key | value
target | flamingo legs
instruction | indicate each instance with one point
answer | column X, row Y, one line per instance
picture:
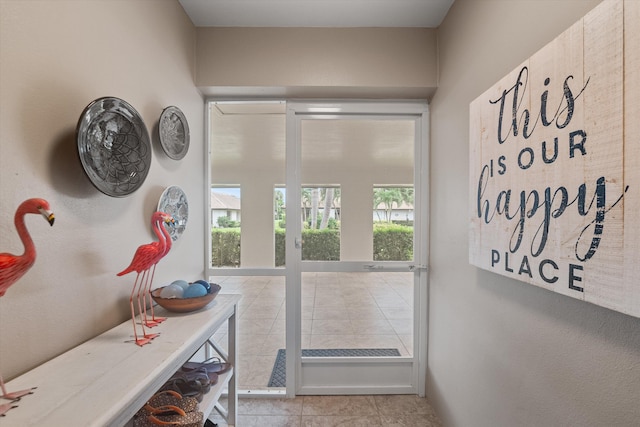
column 142, row 306
column 138, row 284
column 13, row 397
column 147, row 299
column 144, row 295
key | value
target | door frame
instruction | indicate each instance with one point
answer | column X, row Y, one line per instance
column 414, row 368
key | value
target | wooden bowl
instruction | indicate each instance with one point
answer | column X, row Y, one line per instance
column 185, row 305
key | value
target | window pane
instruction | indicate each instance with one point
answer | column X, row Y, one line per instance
column 225, row 226
column 393, row 223
column 321, row 223
column 279, row 226
column 247, row 142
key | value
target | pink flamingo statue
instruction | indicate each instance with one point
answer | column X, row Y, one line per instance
column 13, row 267
column 144, row 258
column 147, row 300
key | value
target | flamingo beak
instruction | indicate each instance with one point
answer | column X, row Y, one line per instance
column 49, row 216
column 170, row 221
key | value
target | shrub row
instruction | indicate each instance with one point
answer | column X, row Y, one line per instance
column 225, row 247
column 318, row 245
column 390, row 243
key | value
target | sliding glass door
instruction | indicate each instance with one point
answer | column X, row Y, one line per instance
column 317, row 214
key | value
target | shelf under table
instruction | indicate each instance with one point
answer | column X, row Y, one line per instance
column 104, row 381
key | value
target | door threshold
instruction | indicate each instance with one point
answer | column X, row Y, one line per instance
column 263, row 394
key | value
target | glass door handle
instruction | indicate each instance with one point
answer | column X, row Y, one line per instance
column 297, row 242
column 411, row 267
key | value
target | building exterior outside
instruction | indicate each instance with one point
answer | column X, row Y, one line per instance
column 224, row 205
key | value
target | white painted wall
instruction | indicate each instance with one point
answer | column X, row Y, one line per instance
column 55, row 58
column 317, row 62
column 502, row 352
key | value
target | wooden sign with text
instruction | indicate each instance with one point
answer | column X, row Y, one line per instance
column 554, row 168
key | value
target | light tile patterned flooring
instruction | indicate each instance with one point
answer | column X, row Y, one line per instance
column 333, row 411
column 339, row 310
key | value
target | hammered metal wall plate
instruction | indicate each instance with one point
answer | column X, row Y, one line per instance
column 114, row 146
column 173, row 201
column 174, row 133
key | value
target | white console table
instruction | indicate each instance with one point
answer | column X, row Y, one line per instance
column 106, row 380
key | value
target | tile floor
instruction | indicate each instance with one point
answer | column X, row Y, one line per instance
column 339, row 310
column 333, row 411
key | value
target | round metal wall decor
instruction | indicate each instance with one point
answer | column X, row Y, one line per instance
column 114, row 146
column 174, row 133
column 174, row 202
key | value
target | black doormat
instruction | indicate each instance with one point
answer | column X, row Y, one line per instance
column 278, row 375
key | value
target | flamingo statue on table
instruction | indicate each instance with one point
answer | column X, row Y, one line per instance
column 13, row 267
column 146, row 292
column 145, row 257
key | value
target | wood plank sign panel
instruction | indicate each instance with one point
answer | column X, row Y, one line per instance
column 554, row 164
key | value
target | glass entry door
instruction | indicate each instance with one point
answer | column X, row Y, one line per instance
column 356, row 248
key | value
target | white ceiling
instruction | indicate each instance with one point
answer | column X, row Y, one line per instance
column 316, row 13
